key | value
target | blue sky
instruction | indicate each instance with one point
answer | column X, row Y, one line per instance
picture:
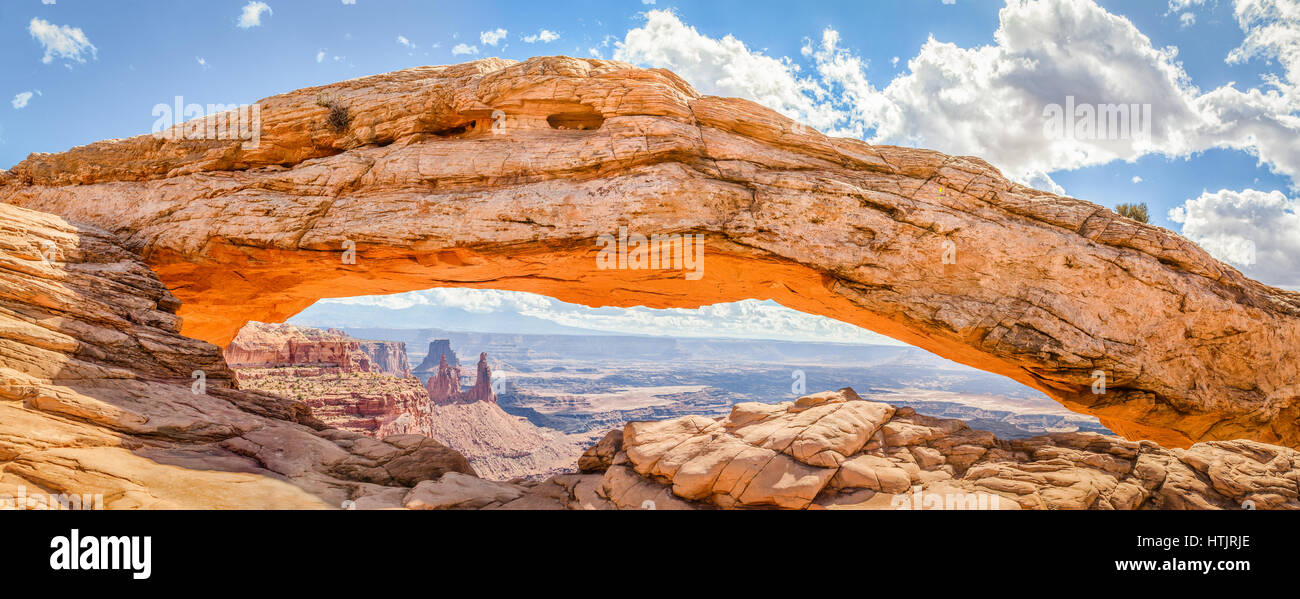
column 960, row 76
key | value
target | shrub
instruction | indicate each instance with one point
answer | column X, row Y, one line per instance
column 1137, row 212
column 338, row 118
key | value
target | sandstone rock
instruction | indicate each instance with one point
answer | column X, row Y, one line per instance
column 600, row 456
column 460, row 491
column 100, row 395
column 1044, row 289
column 439, row 350
column 921, row 462
column 272, row 346
column 444, row 386
column 498, row 445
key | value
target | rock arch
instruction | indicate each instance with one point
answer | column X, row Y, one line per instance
column 941, row 252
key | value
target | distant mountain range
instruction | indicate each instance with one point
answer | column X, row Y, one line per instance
column 350, row 316
column 601, row 346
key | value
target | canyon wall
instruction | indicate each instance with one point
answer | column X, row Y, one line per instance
column 325, row 371
column 388, row 356
column 505, row 175
column 279, row 345
column 101, row 395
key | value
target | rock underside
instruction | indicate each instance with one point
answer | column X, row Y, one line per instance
column 101, row 395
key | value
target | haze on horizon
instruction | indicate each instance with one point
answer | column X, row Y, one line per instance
column 495, row 311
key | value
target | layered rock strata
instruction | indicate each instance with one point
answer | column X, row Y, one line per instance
column 833, row 450
column 101, row 395
column 505, row 175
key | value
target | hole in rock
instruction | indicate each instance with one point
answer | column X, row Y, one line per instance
column 521, row 383
column 457, row 131
column 581, row 121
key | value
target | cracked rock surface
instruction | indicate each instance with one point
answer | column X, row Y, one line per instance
column 101, row 395
column 833, row 450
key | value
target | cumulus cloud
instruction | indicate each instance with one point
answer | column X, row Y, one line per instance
column 490, row 38
column 61, row 41
column 401, row 39
column 349, row 1
column 462, row 48
column 1256, row 231
column 320, row 55
column 251, row 16
column 994, row 100
column 21, row 100
column 727, row 67
column 545, row 36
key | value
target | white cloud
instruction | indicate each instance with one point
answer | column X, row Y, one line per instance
column 251, row 16
column 47, row 1
column 61, row 41
column 320, row 55
column 462, row 48
column 949, row 1
column 490, row 38
column 349, row 1
column 1256, row 231
column 1137, row 179
column 203, row 62
column 1186, row 20
column 648, row 2
column 20, row 100
column 747, row 319
column 1181, row 5
column 401, row 39
column 1272, row 30
column 726, row 67
column 545, row 36
column 989, row 101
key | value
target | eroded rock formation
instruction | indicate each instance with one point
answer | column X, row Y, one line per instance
column 261, row 345
column 439, row 351
column 388, row 356
column 496, row 174
column 833, row 450
column 101, row 395
column 444, row 386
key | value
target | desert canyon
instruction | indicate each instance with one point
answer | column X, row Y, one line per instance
column 130, row 268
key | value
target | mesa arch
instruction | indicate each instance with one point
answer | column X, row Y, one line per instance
column 497, row 174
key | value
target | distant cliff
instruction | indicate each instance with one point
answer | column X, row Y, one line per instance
column 388, row 356
column 278, row 345
column 438, row 349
